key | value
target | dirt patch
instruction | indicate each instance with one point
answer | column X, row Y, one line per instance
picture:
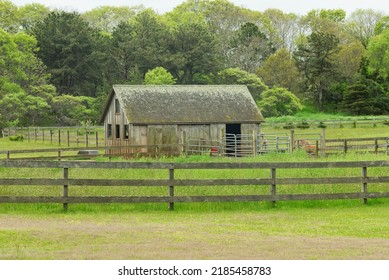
column 134, row 237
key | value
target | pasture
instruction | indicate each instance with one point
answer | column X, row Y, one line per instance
column 334, row 229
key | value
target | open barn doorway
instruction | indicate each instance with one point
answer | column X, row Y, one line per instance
column 233, row 134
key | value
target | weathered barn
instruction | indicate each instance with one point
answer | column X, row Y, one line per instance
column 172, row 115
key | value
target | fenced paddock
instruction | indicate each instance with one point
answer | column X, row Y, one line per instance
column 68, row 182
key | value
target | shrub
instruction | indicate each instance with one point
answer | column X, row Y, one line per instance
column 303, row 125
column 279, row 102
column 18, row 138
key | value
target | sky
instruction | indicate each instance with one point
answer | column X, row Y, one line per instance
column 300, row 7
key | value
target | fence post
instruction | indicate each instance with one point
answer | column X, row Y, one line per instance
column 68, row 138
column 97, row 138
column 65, row 187
column 345, row 146
column 8, row 155
column 59, row 137
column 364, row 184
column 273, row 190
column 86, row 138
column 387, row 145
column 376, row 146
column 317, row 149
column 59, row 155
column 292, row 140
column 51, row 136
column 43, row 135
column 323, row 141
column 171, row 189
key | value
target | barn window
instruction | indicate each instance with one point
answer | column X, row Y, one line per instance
column 109, row 130
column 117, row 106
column 126, row 133
column 117, row 132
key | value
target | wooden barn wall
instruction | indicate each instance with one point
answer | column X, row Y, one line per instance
column 249, row 129
column 115, row 119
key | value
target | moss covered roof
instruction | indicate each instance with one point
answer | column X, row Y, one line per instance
column 181, row 104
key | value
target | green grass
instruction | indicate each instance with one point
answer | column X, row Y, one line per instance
column 331, row 229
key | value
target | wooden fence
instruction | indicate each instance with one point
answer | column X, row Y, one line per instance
column 171, row 183
column 61, row 136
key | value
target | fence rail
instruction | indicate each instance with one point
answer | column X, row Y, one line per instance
column 170, row 182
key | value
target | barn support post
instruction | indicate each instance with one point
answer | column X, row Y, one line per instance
column 364, row 184
column 254, row 141
column 171, row 188
column 273, row 187
column 65, row 187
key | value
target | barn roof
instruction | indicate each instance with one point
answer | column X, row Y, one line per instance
column 186, row 104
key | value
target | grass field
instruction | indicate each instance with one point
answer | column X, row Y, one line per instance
column 343, row 229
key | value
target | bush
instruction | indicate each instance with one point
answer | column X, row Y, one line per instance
column 322, row 125
column 303, row 125
column 18, row 138
column 279, row 102
column 288, row 126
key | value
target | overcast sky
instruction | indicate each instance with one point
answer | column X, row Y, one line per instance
column 161, row 6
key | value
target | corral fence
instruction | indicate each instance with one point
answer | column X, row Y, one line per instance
column 172, row 182
column 61, row 136
column 352, row 123
column 128, row 151
column 240, row 145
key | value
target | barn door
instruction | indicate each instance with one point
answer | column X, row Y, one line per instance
column 233, row 134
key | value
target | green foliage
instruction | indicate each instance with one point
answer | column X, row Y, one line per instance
column 31, row 14
column 193, row 51
column 106, row 18
column 316, row 60
column 277, row 102
column 249, row 48
column 378, row 56
column 9, row 19
column 24, row 89
column 73, row 110
column 233, row 76
column 366, row 97
column 159, row 76
column 68, row 47
column 280, row 70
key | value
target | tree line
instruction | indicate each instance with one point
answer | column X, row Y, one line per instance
column 56, row 66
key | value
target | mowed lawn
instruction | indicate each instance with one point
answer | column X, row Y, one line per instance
column 288, row 232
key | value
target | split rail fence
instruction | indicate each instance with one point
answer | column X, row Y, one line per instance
column 171, row 183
